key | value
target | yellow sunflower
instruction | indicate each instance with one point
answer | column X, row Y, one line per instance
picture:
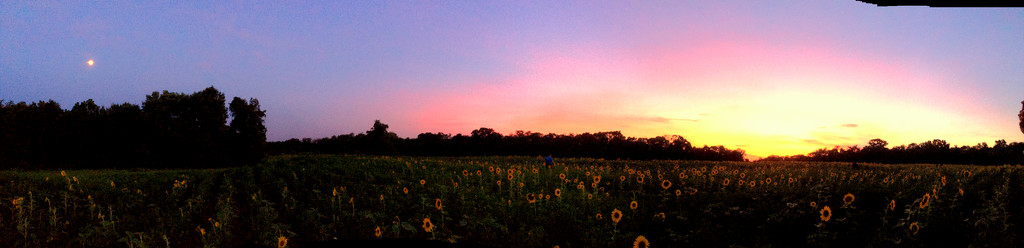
column 499, row 182
column 633, row 205
column 640, row 179
column 660, row 216
column 768, row 180
column 510, row 176
column 405, row 190
column 597, row 179
column 925, row 200
column 63, row 174
column 826, row 214
column 282, row 242
column 437, row 203
column 616, row 216
column 423, row 182
column 561, row 176
column 590, row 196
column 530, row 198
column 641, row 242
column 427, row 225
column 814, row 204
column 622, row 178
column 666, row 184
column 377, row 232
column 914, row 227
column 558, row 192
column 892, row 205
column 693, row 191
column 465, row 173
column 725, row 182
column 599, row 216
column 848, row 198
column 679, row 192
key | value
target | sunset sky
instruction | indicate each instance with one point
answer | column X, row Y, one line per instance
column 769, row 77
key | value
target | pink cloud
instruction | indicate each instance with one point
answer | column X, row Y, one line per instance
column 594, row 88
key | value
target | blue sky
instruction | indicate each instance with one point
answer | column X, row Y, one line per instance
column 779, row 77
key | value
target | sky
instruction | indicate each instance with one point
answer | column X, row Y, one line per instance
column 768, row 77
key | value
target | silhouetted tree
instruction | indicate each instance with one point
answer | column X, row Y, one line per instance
column 933, row 151
column 169, row 130
column 380, row 140
column 249, row 136
column 486, row 141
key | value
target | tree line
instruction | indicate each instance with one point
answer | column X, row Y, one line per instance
column 935, row 151
column 486, row 142
column 167, row 130
column 177, row 130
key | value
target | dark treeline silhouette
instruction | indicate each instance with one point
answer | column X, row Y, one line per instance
column 934, row 152
column 168, row 130
column 486, row 142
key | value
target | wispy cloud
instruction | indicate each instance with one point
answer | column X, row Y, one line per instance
column 813, row 142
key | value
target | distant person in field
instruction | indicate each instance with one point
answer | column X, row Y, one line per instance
column 549, row 161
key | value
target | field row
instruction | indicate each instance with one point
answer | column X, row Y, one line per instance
column 516, row 202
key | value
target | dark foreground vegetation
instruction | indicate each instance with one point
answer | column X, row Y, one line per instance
column 310, row 200
column 614, row 145
column 177, row 130
column 486, row 142
column 935, row 152
column 168, row 130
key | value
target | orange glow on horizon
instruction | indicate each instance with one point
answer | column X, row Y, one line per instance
column 782, row 101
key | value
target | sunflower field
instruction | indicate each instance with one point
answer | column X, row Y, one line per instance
column 293, row 200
